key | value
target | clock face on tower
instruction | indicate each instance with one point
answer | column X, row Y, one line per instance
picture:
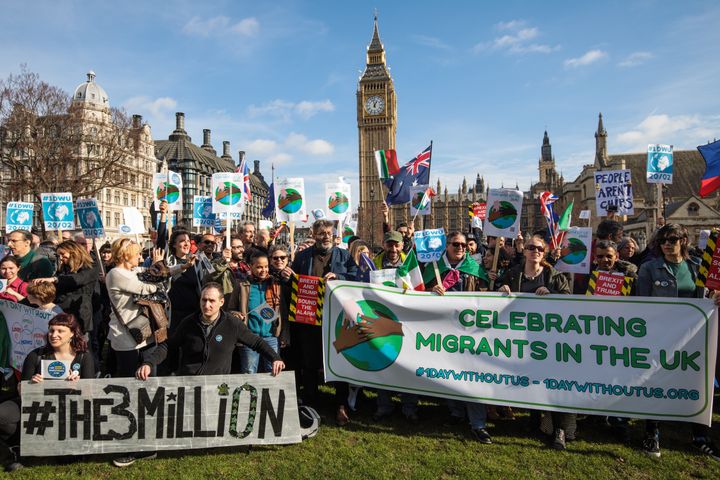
column 374, row 105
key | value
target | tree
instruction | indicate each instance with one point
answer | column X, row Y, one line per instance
column 48, row 143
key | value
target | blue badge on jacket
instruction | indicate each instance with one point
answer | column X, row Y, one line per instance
column 218, row 338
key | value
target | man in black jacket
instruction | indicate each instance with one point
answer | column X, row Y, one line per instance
column 207, row 340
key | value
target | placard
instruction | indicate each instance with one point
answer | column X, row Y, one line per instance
column 58, row 211
column 709, row 271
column 584, row 215
column 307, row 295
column 614, row 187
column 480, row 210
column 134, row 221
column 227, row 190
column 660, row 164
column 19, row 216
column 430, row 244
column 420, row 203
column 575, row 251
column 503, row 217
column 337, row 201
column 609, row 284
column 115, row 415
column 90, row 218
column 203, row 215
column 290, row 200
column 27, row 328
column 167, row 186
column 386, row 276
column 56, row 369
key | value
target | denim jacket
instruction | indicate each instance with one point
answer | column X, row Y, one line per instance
column 655, row 279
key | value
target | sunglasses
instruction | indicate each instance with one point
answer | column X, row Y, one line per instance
column 208, row 241
column 459, row 244
column 280, row 258
column 670, row 240
column 532, row 248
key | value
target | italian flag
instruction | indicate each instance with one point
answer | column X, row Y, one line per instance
column 408, row 275
column 425, row 202
column 387, row 163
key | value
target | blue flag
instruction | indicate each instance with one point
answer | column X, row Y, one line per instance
column 365, row 267
column 269, row 208
column 415, row 172
column 711, row 180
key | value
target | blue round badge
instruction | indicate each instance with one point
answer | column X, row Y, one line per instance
column 56, row 369
column 218, row 338
column 76, row 367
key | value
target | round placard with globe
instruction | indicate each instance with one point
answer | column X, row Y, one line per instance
column 227, row 193
column 348, row 233
column 502, row 214
column 573, row 252
column 377, row 353
column 168, row 191
column 338, row 202
column 290, row 200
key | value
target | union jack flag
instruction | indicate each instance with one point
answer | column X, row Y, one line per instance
column 245, row 170
column 546, row 207
column 421, row 160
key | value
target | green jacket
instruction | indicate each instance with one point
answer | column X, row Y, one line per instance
column 35, row 265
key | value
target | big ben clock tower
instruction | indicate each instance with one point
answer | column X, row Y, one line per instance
column 377, row 122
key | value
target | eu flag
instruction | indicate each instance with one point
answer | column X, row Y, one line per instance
column 711, row 180
column 269, row 208
column 415, row 172
column 364, row 269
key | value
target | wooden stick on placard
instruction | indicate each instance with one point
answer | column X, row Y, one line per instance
column 227, row 230
column 291, row 240
column 495, row 261
column 99, row 259
column 437, row 272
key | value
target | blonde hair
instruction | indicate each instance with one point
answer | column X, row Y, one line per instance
column 79, row 257
column 123, row 249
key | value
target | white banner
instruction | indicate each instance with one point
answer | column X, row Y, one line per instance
column 290, row 200
column 638, row 357
column 575, row 251
column 111, row 415
column 614, row 187
column 27, row 328
column 338, row 203
column 167, row 186
column 503, row 212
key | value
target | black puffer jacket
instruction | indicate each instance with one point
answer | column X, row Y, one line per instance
column 211, row 354
column 75, row 293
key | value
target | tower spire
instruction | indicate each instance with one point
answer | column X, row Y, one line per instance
column 601, row 155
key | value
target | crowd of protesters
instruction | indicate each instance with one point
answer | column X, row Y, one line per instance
column 212, row 290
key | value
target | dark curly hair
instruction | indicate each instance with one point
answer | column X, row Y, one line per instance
column 77, row 343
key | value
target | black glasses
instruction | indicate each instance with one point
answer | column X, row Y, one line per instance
column 279, row 257
column 532, row 248
column 459, row 244
column 670, row 240
column 208, row 241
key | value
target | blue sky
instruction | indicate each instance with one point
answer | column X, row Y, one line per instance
column 481, row 79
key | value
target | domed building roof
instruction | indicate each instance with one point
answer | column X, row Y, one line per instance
column 91, row 92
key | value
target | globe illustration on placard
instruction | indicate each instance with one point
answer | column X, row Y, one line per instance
column 290, row 200
column 573, row 252
column 502, row 214
column 228, row 193
column 347, row 233
column 338, row 202
column 168, row 191
column 417, row 200
column 378, row 353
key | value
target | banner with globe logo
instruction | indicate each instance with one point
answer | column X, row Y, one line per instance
column 552, row 352
column 58, row 211
column 89, row 217
column 503, row 212
column 290, row 200
column 337, row 196
column 575, row 251
column 227, row 192
column 19, row 216
column 203, row 215
column 430, row 244
column 660, row 164
column 167, row 186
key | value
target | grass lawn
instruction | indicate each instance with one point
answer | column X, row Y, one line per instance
column 396, row 449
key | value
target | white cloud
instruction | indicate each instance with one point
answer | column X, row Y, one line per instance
column 587, row 58
column 314, row 147
column 286, row 110
column 222, row 25
column 635, row 59
column 148, row 106
column 431, row 42
column 666, row 129
column 262, row 146
column 516, row 41
column 293, row 145
column 279, row 159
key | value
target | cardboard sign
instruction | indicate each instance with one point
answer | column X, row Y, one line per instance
column 203, row 215
column 614, row 187
column 58, row 211
column 306, row 299
column 575, row 251
column 90, row 219
column 609, row 284
column 227, row 190
column 660, row 164
column 503, row 218
column 430, row 244
column 115, row 415
column 167, row 186
column 290, row 200
column 337, row 201
column 19, row 216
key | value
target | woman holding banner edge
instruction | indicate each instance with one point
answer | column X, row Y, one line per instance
column 672, row 274
column 536, row 275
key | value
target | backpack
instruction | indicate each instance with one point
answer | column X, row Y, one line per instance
column 309, row 421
